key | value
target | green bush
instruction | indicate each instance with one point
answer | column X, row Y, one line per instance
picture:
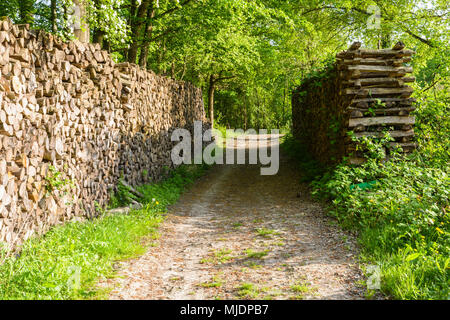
column 402, row 221
column 399, row 208
column 67, row 262
column 433, row 127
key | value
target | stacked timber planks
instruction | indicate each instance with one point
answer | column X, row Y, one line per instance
column 375, row 82
column 366, row 91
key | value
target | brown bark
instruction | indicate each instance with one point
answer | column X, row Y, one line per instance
column 98, row 37
column 53, row 15
column 81, row 33
column 136, row 30
column 212, row 84
column 148, row 35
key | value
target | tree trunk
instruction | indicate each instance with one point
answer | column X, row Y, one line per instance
column 211, row 89
column 172, row 70
column 184, row 69
column 147, row 36
column 136, row 30
column 98, row 37
column 81, row 29
column 53, row 15
column 245, row 115
column 66, row 29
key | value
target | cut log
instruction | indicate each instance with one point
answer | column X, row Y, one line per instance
column 404, row 91
column 379, row 69
column 355, row 45
column 389, row 120
column 399, row 46
column 393, row 134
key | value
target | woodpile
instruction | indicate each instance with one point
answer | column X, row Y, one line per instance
column 72, row 123
column 366, row 92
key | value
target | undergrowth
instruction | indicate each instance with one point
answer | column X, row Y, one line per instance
column 399, row 208
column 68, row 261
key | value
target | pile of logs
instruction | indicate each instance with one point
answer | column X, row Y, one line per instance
column 365, row 92
column 72, row 123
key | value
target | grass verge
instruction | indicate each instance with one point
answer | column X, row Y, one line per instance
column 68, row 261
column 400, row 211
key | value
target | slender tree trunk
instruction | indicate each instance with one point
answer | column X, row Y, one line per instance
column 136, row 30
column 81, row 31
column 66, row 19
column 258, row 111
column 53, row 16
column 147, row 36
column 184, row 69
column 211, row 89
column 98, row 37
column 284, row 102
column 163, row 56
column 158, row 59
column 106, row 45
column 245, row 114
column 172, row 70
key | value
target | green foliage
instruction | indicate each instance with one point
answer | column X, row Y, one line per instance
column 251, row 254
column 249, row 290
column 21, row 11
column 54, row 181
column 374, row 148
column 215, row 282
column 308, row 166
column 399, row 208
column 122, row 197
column 402, row 220
column 433, row 126
column 67, row 262
column 102, row 15
column 266, row 233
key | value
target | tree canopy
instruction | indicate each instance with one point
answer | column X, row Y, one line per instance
column 248, row 55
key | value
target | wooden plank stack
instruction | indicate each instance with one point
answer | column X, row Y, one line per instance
column 72, row 123
column 366, row 92
column 376, row 83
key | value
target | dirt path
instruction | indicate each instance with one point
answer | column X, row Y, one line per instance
column 237, row 234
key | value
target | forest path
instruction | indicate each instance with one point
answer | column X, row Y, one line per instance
column 238, row 234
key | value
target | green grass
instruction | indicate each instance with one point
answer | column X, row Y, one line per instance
column 68, row 261
column 266, row 233
column 249, row 291
column 251, row 254
column 237, row 225
column 300, row 288
column 215, row 282
column 218, row 256
column 402, row 221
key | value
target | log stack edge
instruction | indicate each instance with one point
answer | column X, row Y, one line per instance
column 72, row 123
column 364, row 91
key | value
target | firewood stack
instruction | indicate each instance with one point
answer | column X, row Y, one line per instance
column 365, row 92
column 72, row 123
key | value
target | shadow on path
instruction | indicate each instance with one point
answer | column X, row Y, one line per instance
column 235, row 227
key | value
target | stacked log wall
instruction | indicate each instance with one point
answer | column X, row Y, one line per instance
column 365, row 91
column 72, row 123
